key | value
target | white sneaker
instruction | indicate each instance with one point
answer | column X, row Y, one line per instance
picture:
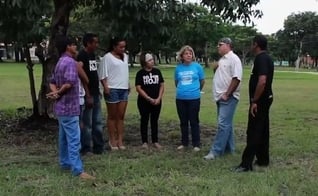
column 144, row 145
column 196, row 149
column 209, row 156
column 181, row 147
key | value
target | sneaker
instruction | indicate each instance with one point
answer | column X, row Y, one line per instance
column 112, row 147
column 122, row 147
column 209, row 156
column 144, row 145
column 196, row 149
column 157, row 145
column 86, row 176
column 181, row 147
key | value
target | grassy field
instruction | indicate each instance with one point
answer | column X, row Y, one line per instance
column 30, row 168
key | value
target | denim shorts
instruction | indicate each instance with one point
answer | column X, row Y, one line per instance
column 116, row 95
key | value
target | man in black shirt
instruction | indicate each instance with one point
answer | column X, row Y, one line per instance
column 92, row 115
column 261, row 98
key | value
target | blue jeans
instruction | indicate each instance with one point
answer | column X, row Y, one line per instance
column 188, row 111
column 93, row 128
column 224, row 139
column 69, row 144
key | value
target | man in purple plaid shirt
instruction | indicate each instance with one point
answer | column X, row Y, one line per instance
column 64, row 85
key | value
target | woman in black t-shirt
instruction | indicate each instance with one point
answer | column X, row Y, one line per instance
column 150, row 86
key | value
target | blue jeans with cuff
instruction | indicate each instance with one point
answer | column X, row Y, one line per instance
column 69, row 144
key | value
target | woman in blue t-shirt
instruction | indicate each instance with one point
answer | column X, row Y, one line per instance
column 189, row 81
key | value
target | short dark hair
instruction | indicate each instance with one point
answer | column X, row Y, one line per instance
column 88, row 38
column 261, row 41
column 114, row 42
column 62, row 42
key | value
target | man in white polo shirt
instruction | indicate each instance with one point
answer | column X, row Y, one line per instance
column 226, row 88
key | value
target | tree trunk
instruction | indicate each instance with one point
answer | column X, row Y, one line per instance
column 206, row 58
column 59, row 26
column 244, row 54
column 167, row 58
column 22, row 54
column 158, row 57
column 31, row 79
column 16, row 53
column 7, row 51
column 131, row 59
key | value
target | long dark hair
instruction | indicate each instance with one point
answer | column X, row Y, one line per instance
column 114, row 42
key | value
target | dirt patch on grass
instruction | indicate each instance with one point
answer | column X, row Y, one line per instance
column 19, row 129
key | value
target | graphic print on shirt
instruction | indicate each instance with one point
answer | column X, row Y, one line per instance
column 186, row 77
column 151, row 79
column 92, row 65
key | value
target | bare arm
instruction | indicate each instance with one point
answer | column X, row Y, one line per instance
column 84, row 79
column 260, row 87
column 233, row 86
column 64, row 88
column 105, row 86
column 53, row 87
column 202, row 82
column 143, row 94
column 161, row 90
column 58, row 92
column 82, row 73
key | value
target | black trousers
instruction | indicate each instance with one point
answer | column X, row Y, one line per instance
column 147, row 110
column 258, row 136
column 188, row 112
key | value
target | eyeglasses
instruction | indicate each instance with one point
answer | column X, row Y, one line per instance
column 220, row 44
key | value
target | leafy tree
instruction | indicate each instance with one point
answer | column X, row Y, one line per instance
column 24, row 23
column 233, row 10
column 149, row 24
column 200, row 30
column 299, row 36
column 242, row 37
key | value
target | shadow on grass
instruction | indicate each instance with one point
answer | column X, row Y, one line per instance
column 18, row 129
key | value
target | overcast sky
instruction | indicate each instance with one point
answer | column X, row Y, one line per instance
column 276, row 11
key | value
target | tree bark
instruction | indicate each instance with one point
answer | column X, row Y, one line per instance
column 167, row 57
column 7, row 50
column 31, row 79
column 158, row 57
column 59, row 26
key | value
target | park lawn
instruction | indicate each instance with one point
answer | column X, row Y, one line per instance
column 30, row 167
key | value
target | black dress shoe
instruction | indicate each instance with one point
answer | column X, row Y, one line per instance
column 240, row 169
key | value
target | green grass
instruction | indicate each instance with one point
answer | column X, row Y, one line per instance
column 28, row 167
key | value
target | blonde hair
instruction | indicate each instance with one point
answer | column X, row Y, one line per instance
column 182, row 50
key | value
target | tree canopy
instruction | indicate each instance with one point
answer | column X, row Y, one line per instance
column 24, row 21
